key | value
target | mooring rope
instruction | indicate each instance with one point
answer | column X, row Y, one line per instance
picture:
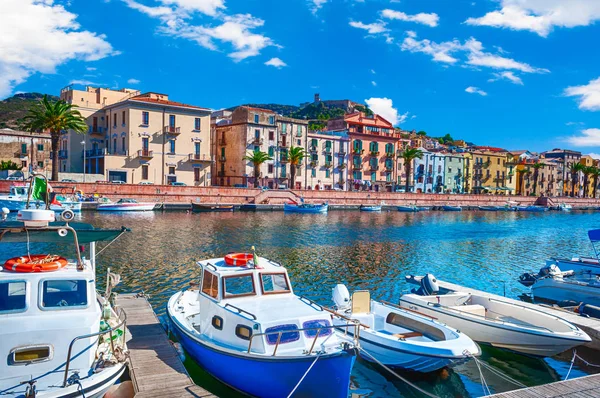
column 496, row 371
column 304, row 375
column 575, row 356
column 110, row 243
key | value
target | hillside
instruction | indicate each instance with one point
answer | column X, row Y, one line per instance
column 284, row 110
column 13, row 109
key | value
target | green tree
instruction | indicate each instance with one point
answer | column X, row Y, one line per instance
column 364, row 109
column 536, row 172
column 257, row 158
column 295, row 156
column 524, row 177
column 54, row 117
column 410, row 154
column 9, row 165
column 422, row 133
column 587, row 173
column 575, row 170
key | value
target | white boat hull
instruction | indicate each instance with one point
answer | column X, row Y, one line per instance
column 21, row 204
column 557, row 290
column 591, row 265
column 126, row 207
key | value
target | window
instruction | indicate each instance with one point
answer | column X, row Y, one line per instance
column 256, row 118
column 40, row 147
column 357, row 145
column 243, row 332
column 171, row 169
column 389, row 148
column 13, row 296
column 171, row 146
column 239, row 285
column 284, row 128
column 123, row 144
column 271, row 135
column 299, row 131
column 197, row 124
column 357, row 175
column 196, row 174
column 313, row 173
column 271, row 151
column 314, row 142
column 299, row 142
column 373, row 147
column 144, row 172
column 269, row 168
column 327, row 173
column 314, row 157
column 286, row 336
column 283, row 171
column 317, row 325
column 328, row 144
column 115, row 120
column 197, row 148
column 23, row 148
column 171, row 120
column 257, row 134
column 64, row 293
column 210, row 284
column 145, row 118
column 30, row 354
column 114, row 145
column 271, row 119
column 373, row 176
column 217, row 322
column 123, row 118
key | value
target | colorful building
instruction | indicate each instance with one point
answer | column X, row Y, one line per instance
column 327, row 164
column 568, row 158
column 489, row 170
column 429, row 172
column 454, row 173
column 32, row 152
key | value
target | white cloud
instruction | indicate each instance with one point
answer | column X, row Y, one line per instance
column 422, row 18
column 83, row 82
column 237, row 30
column 594, row 155
column 133, row 81
column 588, row 137
column 372, row 28
column 373, row 82
column 540, row 16
column 475, row 90
column 448, row 51
column 385, row 108
column 276, row 62
column 38, row 36
column 506, row 75
column 574, row 124
column 589, row 95
column 316, row 5
column 90, row 69
column 373, row 71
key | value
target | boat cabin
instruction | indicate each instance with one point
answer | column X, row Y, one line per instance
column 251, row 306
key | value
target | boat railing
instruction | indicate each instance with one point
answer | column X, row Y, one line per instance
column 353, row 323
column 241, row 311
column 214, row 267
column 311, row 303
column 122, row 324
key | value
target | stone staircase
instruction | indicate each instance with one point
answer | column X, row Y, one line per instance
column 275, row 197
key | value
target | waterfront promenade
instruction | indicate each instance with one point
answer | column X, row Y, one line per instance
column 582, row 387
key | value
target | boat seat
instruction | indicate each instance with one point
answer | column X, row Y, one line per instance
column 408, row 335
column 474, row 309
column 361, row 302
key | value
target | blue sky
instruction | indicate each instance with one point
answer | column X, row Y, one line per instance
column 519, row 74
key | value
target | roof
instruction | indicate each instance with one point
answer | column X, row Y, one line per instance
column 257, row 109
column 218, row 265
column 376, row 120
column 165, row 102
column 489, row 148
column 14, row 232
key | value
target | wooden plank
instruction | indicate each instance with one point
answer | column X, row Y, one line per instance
column 583, row 387
column 154, row 364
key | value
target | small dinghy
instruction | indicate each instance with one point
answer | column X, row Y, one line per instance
column 370, row 207
column 451, row 208
column 532, row 209
column 397, row 337
column 204, row 208
column 244, row 325
column 552, row 284
column 305, row 208
column 495, row 322
column 565, row 207
column 490, row 208
column 408, row 209
column 125, row 204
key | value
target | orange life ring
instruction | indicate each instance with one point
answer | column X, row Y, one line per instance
column 237, row 259
column 35, row 263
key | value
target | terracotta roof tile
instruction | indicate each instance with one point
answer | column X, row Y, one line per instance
column 163, row 102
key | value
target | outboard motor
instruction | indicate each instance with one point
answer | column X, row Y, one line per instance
column 528, row 279
column 429, row 286
column 341, row 297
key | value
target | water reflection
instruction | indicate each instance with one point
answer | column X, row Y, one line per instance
column 363, row 250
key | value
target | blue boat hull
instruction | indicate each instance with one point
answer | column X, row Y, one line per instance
column 406, row 209
column 451, row 208
column 370, row 208
column 299, row 209
column 270, row 377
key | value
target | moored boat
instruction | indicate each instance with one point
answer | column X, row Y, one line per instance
column 305, row 208
column 495, row 322
column 408, row 209
column 370, row 207
column 398, row 337
column 451, row 208
column 125, row 205
column 565, row 207
column 244, row 315
column 17, row 200
column 203, row 207
column 490, row 208
column 581, row 263
column 532, row 208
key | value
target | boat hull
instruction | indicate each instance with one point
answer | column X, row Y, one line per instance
column 126, row 207
column 16, row 205
column 591, row 265
column 408, row 209
column 198, row 208
column 370, row 208
column 272, row 377
column 556, row 290
column 451, row 208
column 317, row 209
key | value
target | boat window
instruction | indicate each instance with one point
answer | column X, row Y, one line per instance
column 243, row 332
column 210, row 284
column 64, row 293
column 238, row 285
column 13, row 296
column 317, row 325
column 286, row 336
column 31, row 354
column 274, row 283
column 217, row 322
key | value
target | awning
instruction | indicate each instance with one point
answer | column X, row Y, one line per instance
column 14, row 232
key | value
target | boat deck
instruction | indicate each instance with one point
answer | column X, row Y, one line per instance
column 154, row 365
column 582, row 387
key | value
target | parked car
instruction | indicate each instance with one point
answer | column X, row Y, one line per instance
column 117, row 182
column 178, row 184
column 146, row 183
column 67, row 180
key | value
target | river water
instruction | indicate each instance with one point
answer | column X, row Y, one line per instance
column 371, row 251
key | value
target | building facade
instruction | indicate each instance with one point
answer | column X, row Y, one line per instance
column 454, row 173
column 429, row 172
column 138, row 138
column 31, row 152
column 327, row 164
column 489, row 171
column 568, row 158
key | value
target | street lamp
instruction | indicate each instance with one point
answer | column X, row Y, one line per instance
column 83, row 143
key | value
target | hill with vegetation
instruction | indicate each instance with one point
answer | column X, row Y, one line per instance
column 14, row 109
column 284, row 110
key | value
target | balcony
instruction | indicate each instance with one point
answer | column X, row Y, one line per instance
column 257, row 141
column 356, row 166
column 198, row 157
column 374, row 153
column 222, row 142
column 374, row 167
column 327, row 149
column 172, row 130
column 20, row 154
column 284, row 159
column 145, row 154
column 389, row 154
column 389, row 168
column 314, row 163
column 94, row 153
column 63, row 154
column 342, row 152
column 313, row 148
column 99, row 131
column 328, row 165
column 342, row 166
column 358, row 151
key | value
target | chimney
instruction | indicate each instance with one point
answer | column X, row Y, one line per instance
column 317, row 97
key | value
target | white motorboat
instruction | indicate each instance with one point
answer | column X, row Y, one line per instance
column 59, row 337
column 495, row 322
column 398, row 337
column 246, row 327
column 125, row 205
column 565, row 207
column 554, row 285
column 581, row 263
column 17, row 200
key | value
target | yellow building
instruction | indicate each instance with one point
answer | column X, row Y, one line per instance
column 468, row 178
column 588, row 161
column 489, row 170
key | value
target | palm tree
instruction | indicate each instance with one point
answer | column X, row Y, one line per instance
column 410, row 154
column 575, row 169
column 524, row 176
column 257, row 158
column 54, row 117
column 295, row 156
column 536, row 172
column 595, row 173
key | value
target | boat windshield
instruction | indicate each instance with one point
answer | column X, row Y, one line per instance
column 127, row 201
column 19, row 191
column 238, row 286
column 273, row 283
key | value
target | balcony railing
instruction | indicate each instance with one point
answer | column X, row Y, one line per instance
column 389, row 168
column 97, row 130
column 145, row 154
column 374, row 167
column 342, row 166
column 374, row 153
column 257, row 141
column 328, row 165
column 389, row 154
column 342, row 152
column 358, row 151
column 63, row 154
column 172, row 130
column 222, row 142
column 327, row 149
column 94, row 153
column 356, row 166
column 284, row 159
column 198, row 157
column 313, row 148
column 314, row 163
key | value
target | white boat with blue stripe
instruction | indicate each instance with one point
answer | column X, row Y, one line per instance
column 244, row 316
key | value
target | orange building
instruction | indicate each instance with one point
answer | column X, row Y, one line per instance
column 373, row 144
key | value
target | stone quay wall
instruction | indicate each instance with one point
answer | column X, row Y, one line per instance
column 174, row 194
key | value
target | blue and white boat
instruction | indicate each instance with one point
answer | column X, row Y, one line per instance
column 370, row 207
column 581, row 263
column 17, row 200
column 491, row 208
column 408, row 209
column 532, row 208
column 305, row 208
column 244, row 325
column 451, row 208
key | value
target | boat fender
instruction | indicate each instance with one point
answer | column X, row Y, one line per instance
column 590, row 310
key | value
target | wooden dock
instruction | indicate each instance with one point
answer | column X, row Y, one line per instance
column 154, row 364
column 582, row 387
